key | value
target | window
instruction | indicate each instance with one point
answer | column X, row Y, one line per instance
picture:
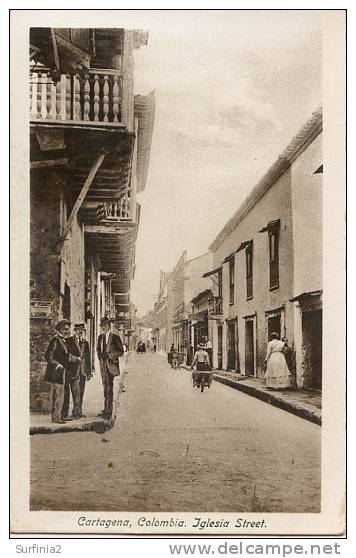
column 232, row 280
column 249, row 272
column 273, row 237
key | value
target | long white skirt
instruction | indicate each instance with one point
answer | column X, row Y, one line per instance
column 277, row 374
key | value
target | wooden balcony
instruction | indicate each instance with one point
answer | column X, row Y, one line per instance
column 96, row 98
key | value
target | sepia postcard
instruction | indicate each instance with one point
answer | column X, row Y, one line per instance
column 178, row 192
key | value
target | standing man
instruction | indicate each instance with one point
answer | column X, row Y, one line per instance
column 109, row 350
column 79, row 346
column 57, row 358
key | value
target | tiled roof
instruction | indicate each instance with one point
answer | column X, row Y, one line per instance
column 303, row 138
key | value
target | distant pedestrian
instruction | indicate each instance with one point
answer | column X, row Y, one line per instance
column 79, row 346
column 202, row 362
column 171, row 351
column 109, row 350
column 277, row 374
column 57, row 358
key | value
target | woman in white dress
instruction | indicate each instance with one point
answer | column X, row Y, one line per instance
column 277, row 374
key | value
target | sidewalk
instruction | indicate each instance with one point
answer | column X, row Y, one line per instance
column 92, row 405
column 305, row 403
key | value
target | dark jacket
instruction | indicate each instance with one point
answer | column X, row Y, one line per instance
column 114, row 350
column 81, row 350
column 57, row 358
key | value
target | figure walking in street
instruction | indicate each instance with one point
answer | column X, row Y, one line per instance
column 202, row 362
column 79, row 347
column 277, row 374
column 109, row 350
column 57, row 358
column 170, row 355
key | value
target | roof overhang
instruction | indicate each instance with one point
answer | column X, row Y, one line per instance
column 145, row 112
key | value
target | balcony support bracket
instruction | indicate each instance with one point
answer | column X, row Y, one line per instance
column 83, row 192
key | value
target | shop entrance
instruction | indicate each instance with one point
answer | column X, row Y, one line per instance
column 312, row 345
column 232, row 363
column 249, row 348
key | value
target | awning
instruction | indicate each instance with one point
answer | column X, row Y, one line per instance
column 200, row 296
column 271, row 225
column 199, row 316
column 208, row 273
column 303, row 296
column 243, row 245
column 228, row 258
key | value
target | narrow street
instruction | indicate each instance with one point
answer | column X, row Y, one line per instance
column 174, row 448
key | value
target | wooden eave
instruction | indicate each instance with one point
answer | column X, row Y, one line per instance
column 72, row 148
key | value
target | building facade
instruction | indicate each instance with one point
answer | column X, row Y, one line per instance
column 89, row 150
column 267, row 266
column 174, row 306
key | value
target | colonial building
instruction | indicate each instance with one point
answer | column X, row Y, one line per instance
column 174, row 320
column 89, row 148
column 267, row 265
column 163, row 313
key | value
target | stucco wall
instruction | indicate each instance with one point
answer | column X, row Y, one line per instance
column 307, row 200
column 193, row 271
column 275, row 204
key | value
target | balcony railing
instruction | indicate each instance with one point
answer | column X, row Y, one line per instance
column 96, row 97
column 215, row 306
column 118, row 210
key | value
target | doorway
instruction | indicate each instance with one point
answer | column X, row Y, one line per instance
column 66, row 309
column 220, row 347
column 274, row 325
column 249, row 348
column 312, row 344
column 231, row 345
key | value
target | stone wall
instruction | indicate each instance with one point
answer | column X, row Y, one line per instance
column 44, row 276
column 52, row 266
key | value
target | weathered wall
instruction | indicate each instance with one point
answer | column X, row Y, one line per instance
column 52, row 265
column 44, row 275
column 307, row 200
column 275, row 204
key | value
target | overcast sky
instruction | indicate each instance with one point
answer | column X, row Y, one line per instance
column 232, row 88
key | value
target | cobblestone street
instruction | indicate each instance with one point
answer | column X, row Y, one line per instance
column 176, row 449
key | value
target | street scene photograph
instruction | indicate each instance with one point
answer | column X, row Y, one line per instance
column 176, row 359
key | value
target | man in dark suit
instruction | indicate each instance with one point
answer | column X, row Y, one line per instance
column 57, row 358
column 109, row 350
column 81, row 371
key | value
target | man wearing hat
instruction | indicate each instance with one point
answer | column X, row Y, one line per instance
column 109, row 350
column 80, row 371
column 57, row 358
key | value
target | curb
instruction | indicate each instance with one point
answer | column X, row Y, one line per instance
column 96, row 426
column 295, row 409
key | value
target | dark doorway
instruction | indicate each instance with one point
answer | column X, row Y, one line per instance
column 312, row 345
column 274, row 325
column 249, row 348
column 66, row 303
column 220, row 346
column 231, row 345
